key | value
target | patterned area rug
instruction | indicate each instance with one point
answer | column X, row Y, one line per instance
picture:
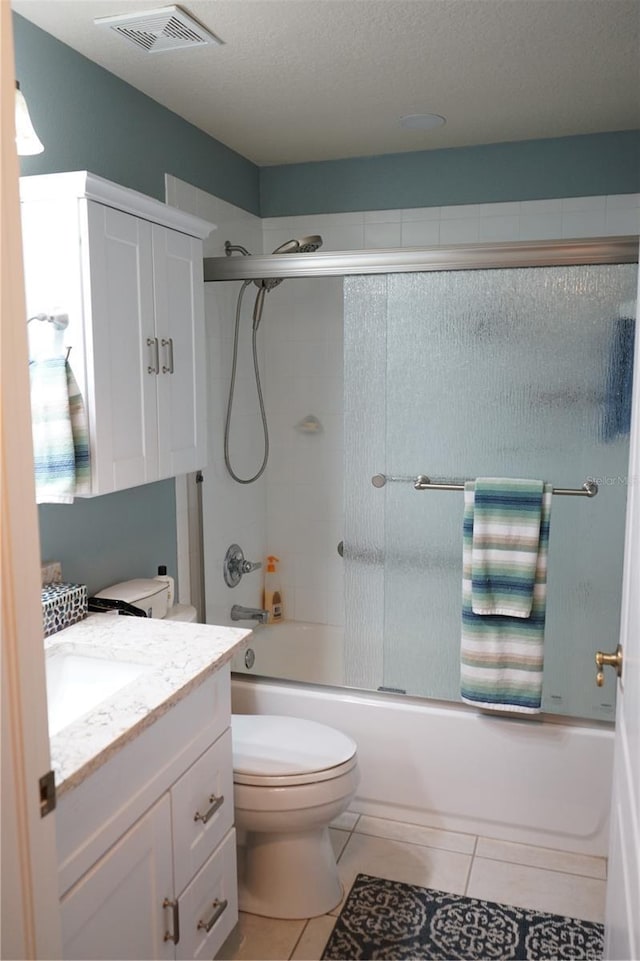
column 388, row 920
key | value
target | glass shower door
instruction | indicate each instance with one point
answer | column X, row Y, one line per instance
column 520, row 373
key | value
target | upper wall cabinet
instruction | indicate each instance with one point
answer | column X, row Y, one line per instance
column 128, row 271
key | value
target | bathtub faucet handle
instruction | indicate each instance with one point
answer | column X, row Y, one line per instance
column 236, row 566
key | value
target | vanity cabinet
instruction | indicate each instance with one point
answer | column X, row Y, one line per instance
column 127, row 270
column 147, row 845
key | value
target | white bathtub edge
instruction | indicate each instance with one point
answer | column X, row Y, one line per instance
column 448, row 767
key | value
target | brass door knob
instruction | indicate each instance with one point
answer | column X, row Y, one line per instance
column 608, row 660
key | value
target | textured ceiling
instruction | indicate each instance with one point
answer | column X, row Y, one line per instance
column 300, row 80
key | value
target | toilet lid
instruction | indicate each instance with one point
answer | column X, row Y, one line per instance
column 268, row 746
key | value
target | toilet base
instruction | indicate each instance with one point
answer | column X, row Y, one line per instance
column 271, row 872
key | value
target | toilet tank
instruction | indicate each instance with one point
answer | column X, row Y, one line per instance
column 148, row 594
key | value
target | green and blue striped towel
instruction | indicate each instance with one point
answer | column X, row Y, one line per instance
column 80, row 434
column 501, row 657
column 506, row 535
column 60, row 435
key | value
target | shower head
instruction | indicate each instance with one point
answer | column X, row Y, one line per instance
column 304, row 245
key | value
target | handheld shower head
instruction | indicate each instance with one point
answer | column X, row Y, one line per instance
column 304, row 245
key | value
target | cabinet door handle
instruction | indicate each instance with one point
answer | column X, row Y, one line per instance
column 154, row 366
column 175, row 908
column 168, row 343
column 215, row 803
column 218, row 908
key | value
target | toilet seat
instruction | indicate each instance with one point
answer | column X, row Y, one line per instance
column 288, row 780
column 276, row 751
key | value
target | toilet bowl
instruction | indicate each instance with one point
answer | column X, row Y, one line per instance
column 291, row 778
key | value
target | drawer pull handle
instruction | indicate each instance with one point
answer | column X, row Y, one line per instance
column 175, row 937
column 215, row 803
column 218, row 908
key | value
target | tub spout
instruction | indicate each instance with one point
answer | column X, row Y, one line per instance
column 239, row 613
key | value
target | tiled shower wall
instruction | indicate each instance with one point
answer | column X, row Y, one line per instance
column 233, row 513
column 296, row 510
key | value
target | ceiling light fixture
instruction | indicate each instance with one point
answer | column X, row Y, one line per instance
column 422, row 121
column 27, row 141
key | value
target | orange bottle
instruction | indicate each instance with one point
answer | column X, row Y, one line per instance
column 272, row 597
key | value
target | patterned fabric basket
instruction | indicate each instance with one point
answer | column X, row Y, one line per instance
column 62, row 605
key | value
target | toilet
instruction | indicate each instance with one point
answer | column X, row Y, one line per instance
column 292, row 777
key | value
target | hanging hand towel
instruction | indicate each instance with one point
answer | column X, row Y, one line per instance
column 506, row 535
column 501, row 657
column 54, row 449
column 80, row 434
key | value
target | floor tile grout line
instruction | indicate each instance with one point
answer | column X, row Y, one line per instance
column 421, row 826
column 476, row 838
column 418, row 844
column 299, row 938
column 474, row 852
column 469, row 869
column 539, row 867
column 344, row 846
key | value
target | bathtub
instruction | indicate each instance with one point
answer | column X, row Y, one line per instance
column 295, row 651
column 545, row 781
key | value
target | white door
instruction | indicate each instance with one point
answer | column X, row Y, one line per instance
column 122, row 352
column 115, row 911
column 29, row 922
column 179, row 310
column 622, row 916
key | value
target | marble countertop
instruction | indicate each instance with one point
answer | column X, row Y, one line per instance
column 174, row 656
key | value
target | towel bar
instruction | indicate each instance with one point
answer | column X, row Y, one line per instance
column 424, row 483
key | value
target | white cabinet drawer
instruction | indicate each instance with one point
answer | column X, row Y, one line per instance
column 202, row 809
column 212, row 896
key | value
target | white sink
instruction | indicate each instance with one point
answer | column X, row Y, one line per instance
column 76, row 683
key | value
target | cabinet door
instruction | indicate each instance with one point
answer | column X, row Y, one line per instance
column 115, row 910
column 179, row 310
column 121, row 349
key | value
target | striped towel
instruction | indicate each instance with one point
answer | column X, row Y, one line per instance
column 506, row 534
column 59, row 426
column 501, row 657
column 80, row 434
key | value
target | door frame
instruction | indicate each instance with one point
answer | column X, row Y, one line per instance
column 30, row 909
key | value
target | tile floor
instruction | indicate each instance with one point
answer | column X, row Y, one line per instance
column 519, row 874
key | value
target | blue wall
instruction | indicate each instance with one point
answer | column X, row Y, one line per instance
column 117, row 537
column 88, row 119
column 592, row 164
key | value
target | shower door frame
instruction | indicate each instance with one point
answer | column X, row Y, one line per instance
column 481, row 256
column 340, row 263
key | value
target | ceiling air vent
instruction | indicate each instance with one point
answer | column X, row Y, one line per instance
column 168, row 28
